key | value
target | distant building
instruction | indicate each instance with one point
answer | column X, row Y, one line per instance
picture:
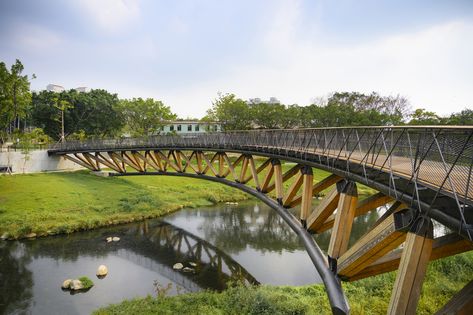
column 55, row 88
column 82, row 89
column 257, row 100
column 190, row 126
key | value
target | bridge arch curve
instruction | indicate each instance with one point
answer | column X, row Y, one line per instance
column 421, row 173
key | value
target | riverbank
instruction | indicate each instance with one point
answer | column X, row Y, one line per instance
column 33, row 205
column 368, row 296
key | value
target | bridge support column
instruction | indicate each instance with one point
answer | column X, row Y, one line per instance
column 278, row 180
column 343, row 220
column 307, row 185
column 414, row 259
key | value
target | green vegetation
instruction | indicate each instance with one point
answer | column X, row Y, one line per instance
column 54, row 203
column 86, row 282
column 368, row 296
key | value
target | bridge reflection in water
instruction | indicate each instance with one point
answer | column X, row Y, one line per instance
column 420, row 173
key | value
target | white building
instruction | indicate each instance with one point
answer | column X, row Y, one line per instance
column 257, row 100
column 55, row 88
column 82, row 89
column 190, row 126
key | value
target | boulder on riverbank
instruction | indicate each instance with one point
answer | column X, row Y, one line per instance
column 102, row 271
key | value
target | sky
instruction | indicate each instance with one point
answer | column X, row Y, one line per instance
column 185, row 52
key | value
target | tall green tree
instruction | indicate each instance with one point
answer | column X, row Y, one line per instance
column 15, row 96
column 145, row 117
column 422, row 116
column 233, row 113
column 267, row 116
column 465, row 117
column 93, row 114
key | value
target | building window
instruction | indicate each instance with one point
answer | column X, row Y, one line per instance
column 196, row 127
column 189, row 128
column 178, row 127
column 215, row 128
column 171, row 128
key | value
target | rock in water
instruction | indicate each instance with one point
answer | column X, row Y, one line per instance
column 115, row 239
column 76, row 285
column 102, row 271
column 109, row 239
column 30, row 235
column 4, row 236
column 66, row 284
column 193, row 264
column 187, row 269
column 178, row 266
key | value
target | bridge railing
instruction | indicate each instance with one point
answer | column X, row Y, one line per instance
column 438, row 156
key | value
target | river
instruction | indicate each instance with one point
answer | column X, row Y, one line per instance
column 247, row 242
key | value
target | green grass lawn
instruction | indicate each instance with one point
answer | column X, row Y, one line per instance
column 51, row 203
column 368, row 296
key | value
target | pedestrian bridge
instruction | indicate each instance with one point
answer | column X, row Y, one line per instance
column 423, row 175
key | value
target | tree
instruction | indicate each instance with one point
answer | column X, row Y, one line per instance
column 233, row 113
column 15, row 96
column 465, row 117
column 424, row 117
column 145, row 117
column 267, row 116
column 91, row 114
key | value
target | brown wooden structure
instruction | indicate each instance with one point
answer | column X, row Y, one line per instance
column 420, row 175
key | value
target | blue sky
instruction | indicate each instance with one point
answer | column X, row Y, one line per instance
column 185, row 52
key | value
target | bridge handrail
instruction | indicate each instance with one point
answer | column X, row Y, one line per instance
column 440, row 156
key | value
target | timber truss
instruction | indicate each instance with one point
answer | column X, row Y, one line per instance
column 402, row 239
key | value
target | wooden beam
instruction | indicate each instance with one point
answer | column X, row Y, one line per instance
column 85, row 161
column 461, row 303
column 188, row 162
column 317, row 188
column 124, row 158
column 198, row 157
column 293, row 189
column 370, row 247
column 115, row 161
column 325, row 208
column 177, row 160
column 343, row 220
column 444, row 246
column 209, row 164
column 278, row 181
column 231, row 168
column 307, row 186
column 244, row 167
column 135, row 155
column 363, row 206
column 102, row 159
column 90, row 158
column 221, row 166
column 150, row 159
column 254, row 174
column 166, row 161
column 287, row 175
column 414, row 259
column 76, row 160
column 267, row 179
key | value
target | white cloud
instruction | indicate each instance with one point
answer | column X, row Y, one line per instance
column 111, row 15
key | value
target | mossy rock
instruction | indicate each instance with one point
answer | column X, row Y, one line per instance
column 86, row 282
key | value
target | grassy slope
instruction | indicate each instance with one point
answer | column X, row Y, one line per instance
column 66, row 202
column 368, row 296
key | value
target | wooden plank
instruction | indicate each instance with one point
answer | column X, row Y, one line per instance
column 461, row 303
column 370, row 247
column 254, row 174
column 307, row 186
column 363, row 206
column 326, row 207
column 317, row 188
column 414, row 259
column 293, row 189
column 278, row 181
column 444, row 246
column 343, row 221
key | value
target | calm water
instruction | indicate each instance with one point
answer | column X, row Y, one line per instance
column 248, row 242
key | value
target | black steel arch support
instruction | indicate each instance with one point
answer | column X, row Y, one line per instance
column 338, row 301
